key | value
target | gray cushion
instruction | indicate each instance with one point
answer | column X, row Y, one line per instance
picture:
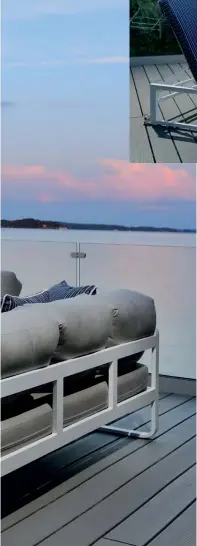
column 10, row 284
column 37, row 423
column 134, row 315
column 85, row 325
column 28, row 340
column 132, row 382
column 26, row 427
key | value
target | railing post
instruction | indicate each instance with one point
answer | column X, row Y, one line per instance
column 58, row 387
column 153, row 103
column 113, row 384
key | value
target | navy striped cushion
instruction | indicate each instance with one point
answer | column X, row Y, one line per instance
column 182, row 16
column 59, row 291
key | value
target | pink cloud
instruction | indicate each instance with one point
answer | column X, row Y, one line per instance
column 117, row 180
column 141, row 181
column 22, row 171
column 38, row 179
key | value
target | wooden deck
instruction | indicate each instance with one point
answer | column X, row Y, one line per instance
column 157, row 144
column 110, row 491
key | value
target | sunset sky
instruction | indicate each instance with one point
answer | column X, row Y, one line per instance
column 65, row 121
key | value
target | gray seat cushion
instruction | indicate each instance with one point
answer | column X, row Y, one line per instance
column 10, row 284
column 26, row 427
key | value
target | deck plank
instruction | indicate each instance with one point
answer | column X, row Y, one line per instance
column 192, row 99
column 158, row 512
column 93, row 500
column 175, row 108
column 186, row 142
column 101, row 518
column 181, row 410
column 140, row 147
column 138, row 418
column 135, row 109
column 156, row 134
column 182, row 532
column 137, row 128
column 62, row 464
column 165, row 145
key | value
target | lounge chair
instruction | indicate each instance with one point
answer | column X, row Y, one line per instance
column 182, row 16
column 72, row 366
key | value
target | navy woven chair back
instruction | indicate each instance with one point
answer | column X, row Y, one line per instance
column 182, row 16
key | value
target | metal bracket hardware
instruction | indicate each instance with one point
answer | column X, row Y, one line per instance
column 78, row 255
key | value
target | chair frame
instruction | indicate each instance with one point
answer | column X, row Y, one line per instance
column 154, row 118
column 56, row 373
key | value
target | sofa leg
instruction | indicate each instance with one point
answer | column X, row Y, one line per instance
column 136, row 433
column 154, row 407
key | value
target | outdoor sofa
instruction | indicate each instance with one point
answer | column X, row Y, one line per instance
column 71, row 366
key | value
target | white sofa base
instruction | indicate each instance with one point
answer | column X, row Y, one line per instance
column 57, row 372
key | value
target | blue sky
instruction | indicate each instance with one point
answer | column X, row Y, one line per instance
column 65, row 119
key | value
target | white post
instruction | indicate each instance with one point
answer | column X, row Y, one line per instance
column 58, row 405
column 153, row 103
column 113, row 384
column 155, row 385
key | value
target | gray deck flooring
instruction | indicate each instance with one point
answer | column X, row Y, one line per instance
column 110, row 491
column 156, row 144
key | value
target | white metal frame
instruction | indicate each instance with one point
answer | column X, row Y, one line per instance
column 56, row 373
column 174, row 89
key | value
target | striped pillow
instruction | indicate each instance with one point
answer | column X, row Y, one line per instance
column 59, row 291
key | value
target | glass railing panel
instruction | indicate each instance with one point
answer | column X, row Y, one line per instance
column 163, row 272
column 39, row 264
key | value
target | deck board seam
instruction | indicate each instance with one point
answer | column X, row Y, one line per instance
column 152, row 146
column 111, row 445
column 170, row 522
column 190, row 97
column 143, row 504
column 128, row 515
column 114, row 540
column 112, row 464
column 146, row 128
column 142, row 117
column 183, row 114
column 121, row 458
column 168, row 130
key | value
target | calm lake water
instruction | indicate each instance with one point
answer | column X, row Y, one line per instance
column 110, row 237
column 159, row 264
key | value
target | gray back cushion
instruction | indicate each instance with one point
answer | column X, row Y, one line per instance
column 28, row 340
column 84, row 323
column 10, row 284
column 33, row 335
column 134, row 315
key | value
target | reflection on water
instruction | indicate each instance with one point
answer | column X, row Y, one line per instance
column 167, row 273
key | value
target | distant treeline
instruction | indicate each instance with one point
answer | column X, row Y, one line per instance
column 31, row 223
